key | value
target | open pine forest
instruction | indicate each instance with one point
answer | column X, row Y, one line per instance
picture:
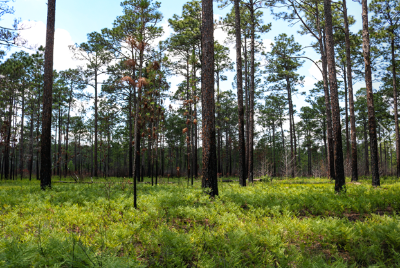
column 198, row 140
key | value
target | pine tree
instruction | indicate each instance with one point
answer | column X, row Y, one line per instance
column 337, row 130
column 370, row 97
column 45, row 153
column 208, row 102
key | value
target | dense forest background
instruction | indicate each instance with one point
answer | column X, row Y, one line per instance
column 116, row 115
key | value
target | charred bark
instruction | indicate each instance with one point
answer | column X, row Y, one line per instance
column 45, row 153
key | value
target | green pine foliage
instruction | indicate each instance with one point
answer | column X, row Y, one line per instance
column 284, row 223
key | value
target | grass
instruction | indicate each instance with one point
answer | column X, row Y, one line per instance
column 287, row 223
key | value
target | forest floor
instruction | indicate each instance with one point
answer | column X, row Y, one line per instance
column 297, row 222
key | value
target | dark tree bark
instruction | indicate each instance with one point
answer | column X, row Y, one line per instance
column 208, row 102
column 130, row 149
column 7, row 145
column 37, row 137
column 337, row 131
column 370, row 98
column 251, row 93
column 21, row 146
column 366, row 150
column 45, row 153
column 195, row 117
column 95, row 125
column 246, row 105
column 67, row 134
column 59, row 140
column 219, row 159
column 30, row 163
column 239, row 83
column 273, row 148
column 396, row 115
column 354, row 169
column 291, row 126
column 226, row 151
column 346, row 114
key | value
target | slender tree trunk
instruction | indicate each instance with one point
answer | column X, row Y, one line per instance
column 246, row 104
column 346, row 115
column 136, row 174
column 325, row 146
column 45, row 169
column 366, row 150
column 95, row 125
column 7, row 145
column 337, row 131
column 354, row 168
column 273, row 148
column 21, row 148
column 396, row 115
column 226, row 152
column 239, row 83
column 30, row 163
column 59, row 141
column 370, row 98
column 295, row 143
column 37, row 136
column 291, row 127
column 67, row 137
column 208, row 103
column 188, row 117
column 219, row 165
column 194, row 128
column 331, row 163
column 251, row 95
column 130, row 118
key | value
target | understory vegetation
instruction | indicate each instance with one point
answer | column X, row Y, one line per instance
column 298, row 222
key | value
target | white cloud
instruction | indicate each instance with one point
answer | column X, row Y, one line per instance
column 267, row 44
column 315, row 74
column 309, row 81
column 315, row 71
column 35, row 35
column 167, row 32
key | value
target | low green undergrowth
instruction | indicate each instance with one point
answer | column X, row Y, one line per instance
column 284, row 223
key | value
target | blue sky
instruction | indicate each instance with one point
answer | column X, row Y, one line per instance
column 76, row 18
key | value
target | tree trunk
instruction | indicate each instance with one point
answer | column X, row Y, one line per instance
column 21, row 148
column 218, row 122
column 366, row 150
column 30, row 163
column 337, row 131
column 291, row 127
column 370, row 98
column 95, row 124
column 239, row 83
column 67, row 135
column 354, row 168
column 45, row 170
column 59, row 140
column 251, row 95
column 208, row 103
column 396, row 115
column 7, row 145
column 246, row 106
column 346, row 115
column 130, row 118
column 273, row 148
